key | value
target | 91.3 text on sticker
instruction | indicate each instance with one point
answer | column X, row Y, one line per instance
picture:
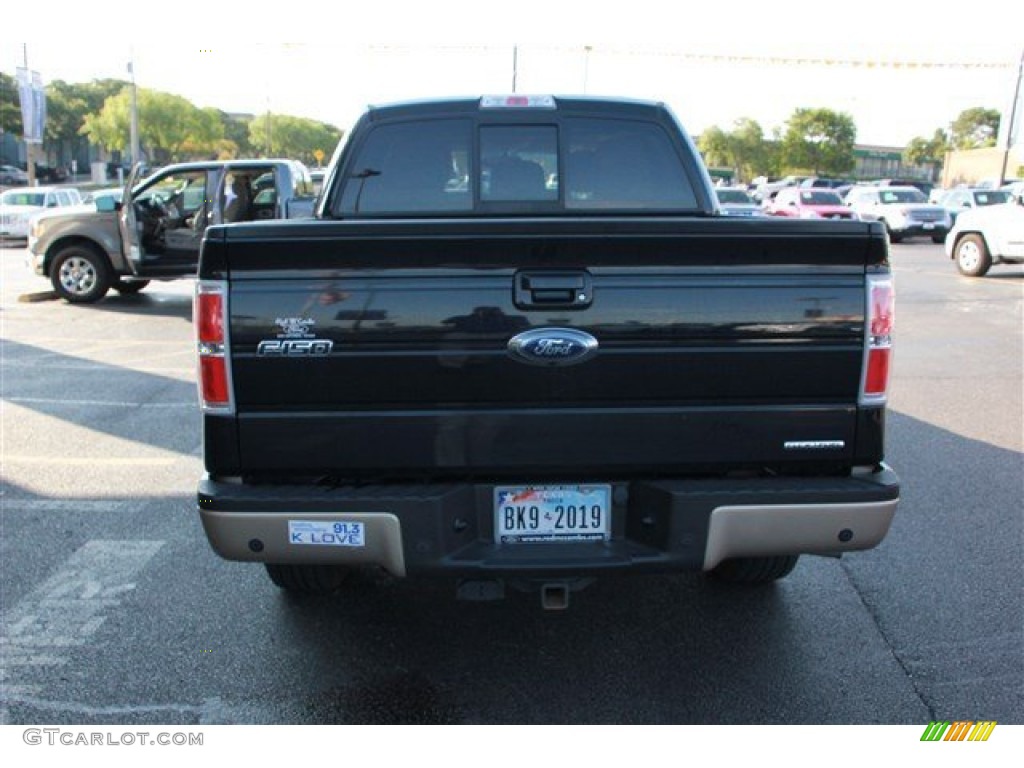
column 326, row 533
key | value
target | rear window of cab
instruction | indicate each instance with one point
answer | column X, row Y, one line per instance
column 460, row 166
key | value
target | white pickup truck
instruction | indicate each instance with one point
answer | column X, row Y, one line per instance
column 985, row 236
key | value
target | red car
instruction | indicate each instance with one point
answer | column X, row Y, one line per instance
column 809, row 204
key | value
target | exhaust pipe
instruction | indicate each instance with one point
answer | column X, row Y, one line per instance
column 554, row 597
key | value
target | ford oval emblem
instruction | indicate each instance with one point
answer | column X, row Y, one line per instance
column 552, row 346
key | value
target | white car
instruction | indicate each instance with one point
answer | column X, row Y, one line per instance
column 985, row 236
column 905, row 211
column 18, row 206
column 735, row 201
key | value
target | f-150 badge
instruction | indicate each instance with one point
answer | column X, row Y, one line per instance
column 552, row 346
column 296, row 339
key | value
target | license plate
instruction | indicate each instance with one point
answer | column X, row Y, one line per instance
column 526, row 514
column 326, row 534
column 929, row 225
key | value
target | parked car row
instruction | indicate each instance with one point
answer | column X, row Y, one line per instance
column 979, row 227
column 12, row 176
column 904, row 210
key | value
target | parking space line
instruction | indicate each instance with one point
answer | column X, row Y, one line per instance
column 80, row 344
column 62, row 505
column 91, row 461
column 104, row 367
column 112, row 403
column 66, row 610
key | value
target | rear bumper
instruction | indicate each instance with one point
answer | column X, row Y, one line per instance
column 657, row 525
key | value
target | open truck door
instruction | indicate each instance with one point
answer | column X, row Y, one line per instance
column 163, row 219
column 128, row 223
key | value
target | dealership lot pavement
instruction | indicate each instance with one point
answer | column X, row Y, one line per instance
column 115, row 610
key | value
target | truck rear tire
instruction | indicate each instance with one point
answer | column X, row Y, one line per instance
column 308, row 579
column 754, row 570
column 80, row 274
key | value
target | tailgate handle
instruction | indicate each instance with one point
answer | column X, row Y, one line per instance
column 553, row 289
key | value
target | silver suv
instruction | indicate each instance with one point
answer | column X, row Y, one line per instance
column 905, row 211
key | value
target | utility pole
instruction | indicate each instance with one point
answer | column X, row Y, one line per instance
column 270, row 143
column 1013, row 121
column 136, row 152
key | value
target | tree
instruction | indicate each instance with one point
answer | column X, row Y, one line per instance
column 820, row 140
column 67, row 105
column 10, row 106
column 975, row 128
column 236, row 131
column 714, row 147
column 922, row 151
column 170, row 127
column 744, row 149
column 749, row 151
column 294, row 137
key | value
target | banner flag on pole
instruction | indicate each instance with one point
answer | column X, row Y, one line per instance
column 33, row 105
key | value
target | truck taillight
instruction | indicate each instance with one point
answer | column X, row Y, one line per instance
column 881, row 307
column 210, row 318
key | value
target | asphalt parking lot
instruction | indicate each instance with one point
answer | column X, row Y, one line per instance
column 116, row 611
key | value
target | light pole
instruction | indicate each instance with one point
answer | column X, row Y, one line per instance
column 270, row 143
column 1013, row 121
column 134, row 130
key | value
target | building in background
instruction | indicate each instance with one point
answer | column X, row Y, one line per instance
column 878, row 162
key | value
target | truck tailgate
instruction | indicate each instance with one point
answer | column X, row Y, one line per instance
column 720, row 342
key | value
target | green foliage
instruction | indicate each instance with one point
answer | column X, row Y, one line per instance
column 976, row 128
column 170, row 127
column 294, row 137
column 744, row 149
column 820, row 140
column 714, row 147
column 10, row 107
column 65, row 109
column 236, row 133
column 922, row 151
column 750, row 152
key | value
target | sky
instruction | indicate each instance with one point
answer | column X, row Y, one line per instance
column 901, row 68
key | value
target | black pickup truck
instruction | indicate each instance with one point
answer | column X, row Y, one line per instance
column 519, row 344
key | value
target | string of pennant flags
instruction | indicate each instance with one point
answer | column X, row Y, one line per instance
column 851, row 63
column 740, row 59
